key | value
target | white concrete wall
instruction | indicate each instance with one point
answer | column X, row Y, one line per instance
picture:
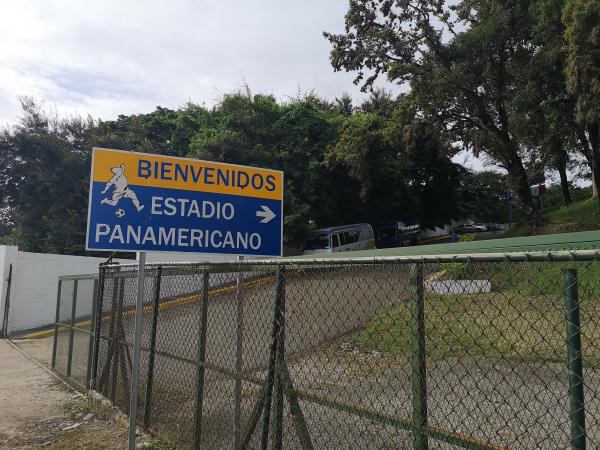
column 428, row 233
column 35, row 281
column 34, row 284
column 458, row 287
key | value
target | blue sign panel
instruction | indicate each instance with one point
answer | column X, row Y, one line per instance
column 142, row 202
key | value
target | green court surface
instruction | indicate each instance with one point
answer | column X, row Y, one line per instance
column 585, row 240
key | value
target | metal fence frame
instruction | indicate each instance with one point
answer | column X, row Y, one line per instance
column 278, row 384
column 72, row 328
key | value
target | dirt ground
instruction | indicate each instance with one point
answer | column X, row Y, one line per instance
column 39, row 349
column 39, row 411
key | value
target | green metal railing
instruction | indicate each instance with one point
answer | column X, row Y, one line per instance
column 73, row 346
column 361, row 352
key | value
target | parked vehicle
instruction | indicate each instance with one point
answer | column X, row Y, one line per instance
column 396, row 234
column 469, row 228
column 340, row 239
column 494, row 227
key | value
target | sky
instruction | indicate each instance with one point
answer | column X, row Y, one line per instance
column 111, row 57
column 119, row 57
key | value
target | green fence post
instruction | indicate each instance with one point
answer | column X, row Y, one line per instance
column 277, row 419
column 150, row 376
column 239, row 353
column 88, row 377
column 201, row 361
column 54, row 345
column 278, row 317
column 97, row 324
column 72, row 331
column 417, row 344
column 574, row 361
column 263, row 404
column 117, row 342
column 103, row 385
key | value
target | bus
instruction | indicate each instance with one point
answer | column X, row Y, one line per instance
column 344, row 238
column 397, row 234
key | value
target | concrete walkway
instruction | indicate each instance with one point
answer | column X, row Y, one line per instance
column 39, row 411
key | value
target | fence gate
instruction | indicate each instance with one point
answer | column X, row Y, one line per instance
column 76, row 302
column 477, row 352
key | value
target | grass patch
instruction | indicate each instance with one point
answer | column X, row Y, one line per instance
column 157, row 443
column 530, row 279
column 583, row 215
column 511, row 327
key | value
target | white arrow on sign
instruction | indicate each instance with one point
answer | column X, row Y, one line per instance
column 266, row 214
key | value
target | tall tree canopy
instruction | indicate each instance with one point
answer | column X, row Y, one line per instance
column 463, row 61
column 44, row 167
column 481, row 70
column 582, row 37
column 342, row 164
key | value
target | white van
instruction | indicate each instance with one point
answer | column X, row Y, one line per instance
column 340, row 239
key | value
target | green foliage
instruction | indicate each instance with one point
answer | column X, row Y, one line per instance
column 454, row 271
column 44, row 165
column 490, row 74
column 582, row 39
column 482, row 195
column 467, row 237
column 582, row 36
column 11, row 237
column 581, row 215
column 585, row 214
column 531, row 279
column 158, row 443
column 342, row 164
column 464, row 61
column 553, row 198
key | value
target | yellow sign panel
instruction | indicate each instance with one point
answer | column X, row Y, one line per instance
column 189, row 174
column 147, row 202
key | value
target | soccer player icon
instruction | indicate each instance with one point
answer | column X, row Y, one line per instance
column 119, row 181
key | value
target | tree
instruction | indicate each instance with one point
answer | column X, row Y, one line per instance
column 343, row 164
column 44, row 164
column 582, row 37
column 400, row 163
column 482, row 196
column 463, row 61
column 547, row 116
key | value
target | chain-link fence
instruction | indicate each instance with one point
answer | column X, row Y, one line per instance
column 479, row 352
column 73, row 327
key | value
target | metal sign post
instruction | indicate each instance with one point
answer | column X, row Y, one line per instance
column 137, row 343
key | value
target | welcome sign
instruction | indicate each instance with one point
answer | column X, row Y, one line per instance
column 146, row 202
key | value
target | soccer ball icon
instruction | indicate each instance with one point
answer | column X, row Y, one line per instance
column 120, row 213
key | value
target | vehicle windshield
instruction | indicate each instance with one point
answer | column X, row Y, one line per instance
column 317, row 242
column 385, row 232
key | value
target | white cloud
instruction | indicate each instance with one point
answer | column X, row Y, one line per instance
column 111, row 57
